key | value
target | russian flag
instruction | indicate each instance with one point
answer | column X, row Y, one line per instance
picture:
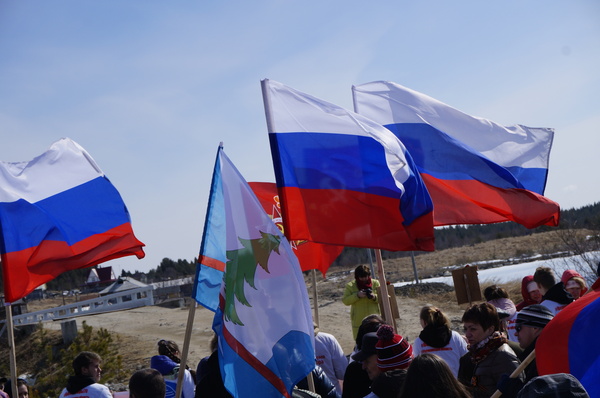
column 476, row 171
column 342, row 178
column 59, row 212
column 570, row 344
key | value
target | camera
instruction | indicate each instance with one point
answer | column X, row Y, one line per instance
column 369, row 293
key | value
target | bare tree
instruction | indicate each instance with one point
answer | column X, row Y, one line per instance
column 584, row 245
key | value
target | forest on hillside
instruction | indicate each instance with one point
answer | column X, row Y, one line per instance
column 586, row 217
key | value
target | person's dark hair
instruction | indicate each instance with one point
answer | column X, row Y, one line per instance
column 83, row 360
column 434, row 316
column 484, row 314
column 494, row 292
column 147, row 383
column 170, row 349
column 369, row 324
column 430, row 376
column 8, row 386
column 544, row 277
column 362, row 271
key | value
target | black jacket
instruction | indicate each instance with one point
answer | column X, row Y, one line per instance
column 558, row 294
column 323, row 386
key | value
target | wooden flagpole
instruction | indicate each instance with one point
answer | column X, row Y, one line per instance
column 12, row 350
column 387, row 309
column 186, row 347
column 315, row 296
column 517, row 371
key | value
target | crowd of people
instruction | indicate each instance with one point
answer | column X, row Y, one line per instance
column 497, row 337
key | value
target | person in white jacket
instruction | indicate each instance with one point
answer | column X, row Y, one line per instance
column 85, row 382
column 437, row 338
column 330, row 357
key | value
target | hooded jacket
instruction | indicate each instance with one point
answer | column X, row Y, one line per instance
column 556, row 298
column 170, row 370
column 571, row 273
column 85, row 386
column 527, row 301
column 443, row 342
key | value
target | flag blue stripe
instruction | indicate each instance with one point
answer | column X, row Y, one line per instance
column 584, row 347
column 341, row 161
column 346, row 162
column 446, row 158
column 63, row 217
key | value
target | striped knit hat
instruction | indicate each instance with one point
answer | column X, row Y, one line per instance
column 393, row 352
column 535, row 315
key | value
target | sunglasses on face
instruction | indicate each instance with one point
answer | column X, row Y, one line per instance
column 518, row 328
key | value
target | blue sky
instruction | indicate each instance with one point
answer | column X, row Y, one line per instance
column 150, row 88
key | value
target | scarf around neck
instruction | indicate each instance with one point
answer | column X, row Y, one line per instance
column 362, row 286
column 486, row 347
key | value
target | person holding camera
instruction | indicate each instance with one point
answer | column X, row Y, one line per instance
column 361, row 295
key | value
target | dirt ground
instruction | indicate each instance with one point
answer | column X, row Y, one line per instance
column 140, row 329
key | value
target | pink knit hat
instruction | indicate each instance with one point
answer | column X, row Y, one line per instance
column 393, row 352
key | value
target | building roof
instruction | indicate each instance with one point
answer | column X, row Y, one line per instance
column 121, row 285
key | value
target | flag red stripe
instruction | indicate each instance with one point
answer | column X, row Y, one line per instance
column 354, row 218
column 212, row 263
column 255, row 363
column 470, row 201
column 27, row 269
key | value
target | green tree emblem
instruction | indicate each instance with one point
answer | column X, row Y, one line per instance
column 241, row 267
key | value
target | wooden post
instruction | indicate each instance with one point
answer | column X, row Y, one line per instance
column 468, row 289
column 186, row 347
column 12, row 349
column 69, row 330
column 315, row 297
column 387, row 310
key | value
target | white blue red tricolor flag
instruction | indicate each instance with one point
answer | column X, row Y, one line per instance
column 476, row 171
column 570, row 343
column 342, row 178
column 263, row 320
column 59, row 212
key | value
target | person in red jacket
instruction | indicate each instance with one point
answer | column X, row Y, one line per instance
column 530, row 292
column 574, row 283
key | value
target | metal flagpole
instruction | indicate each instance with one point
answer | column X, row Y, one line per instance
column 412, row 255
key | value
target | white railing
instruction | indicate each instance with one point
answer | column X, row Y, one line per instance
column 114, row 302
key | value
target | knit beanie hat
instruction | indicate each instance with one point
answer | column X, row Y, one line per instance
column 393, row 352
column 535, row 315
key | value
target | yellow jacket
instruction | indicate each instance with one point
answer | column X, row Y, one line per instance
column 361, row 307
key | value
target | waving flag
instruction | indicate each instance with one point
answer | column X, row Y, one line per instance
column 310, row 255
column 570, row 344
column 212, row 259
column 476, row 171
column 342, row 178
column 59, row 212
column 263, row 321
